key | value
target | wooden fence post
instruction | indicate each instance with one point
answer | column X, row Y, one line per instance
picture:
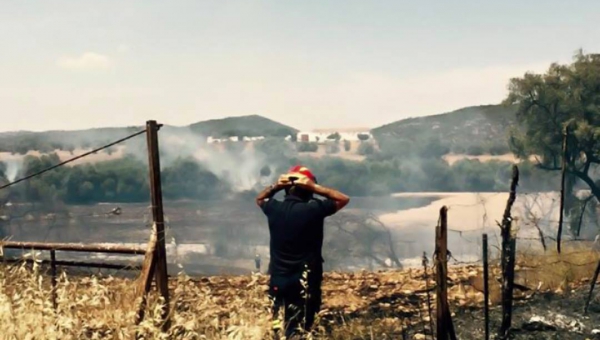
column 145, row 280
column 53, row 279
column 486, row 287
column 508, row 258
column 425, row 263
column 562, row 187
column 592, row 285
column 445, row 327
column 158, row 218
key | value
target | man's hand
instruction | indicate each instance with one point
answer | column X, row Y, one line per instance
column 270, row 191
column 302, row 181
column 283, row 182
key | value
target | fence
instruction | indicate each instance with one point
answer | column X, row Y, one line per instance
column 154, row 266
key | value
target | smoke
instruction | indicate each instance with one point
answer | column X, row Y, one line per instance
column 13, row 168
column 235, row 163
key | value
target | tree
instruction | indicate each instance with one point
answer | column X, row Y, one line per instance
column 347, row 145
column 334, row 136
column 366, row 149
column 363, row 136
column 359, row 238
column 308, row 147
column 332, row 148
column 265, row 171
column 565, row 98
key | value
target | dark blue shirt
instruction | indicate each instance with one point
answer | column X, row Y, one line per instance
column 296, row 228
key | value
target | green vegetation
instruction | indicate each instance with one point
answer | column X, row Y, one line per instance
column 242, row 126
column 565, row 97
column 332, row 148
column 347, row 145
column 366, row 149
column 334, row 136
column 478, row 129
column 307, row 147
column 50, row 141
column 373, row 178
column 122, row 180
column 405, row 155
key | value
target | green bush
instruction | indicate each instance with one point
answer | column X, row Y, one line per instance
column 347, row 145
column 475, row 150
column 308, row 147
column 365, row 149
column 332, row 148
column 499, row 149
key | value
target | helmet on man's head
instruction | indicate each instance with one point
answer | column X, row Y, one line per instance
column 300, row 169
column 296, row 191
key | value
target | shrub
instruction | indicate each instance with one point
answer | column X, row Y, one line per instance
column 332, row 148
column 499, row 149
column 363, row 136
column 366, row 149
column 308, row 147
column 475, row 150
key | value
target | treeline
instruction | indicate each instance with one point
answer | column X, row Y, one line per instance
column 376, row 178
column 121, row 180
column 386, row 170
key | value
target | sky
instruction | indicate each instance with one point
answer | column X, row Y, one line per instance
column 310, row 64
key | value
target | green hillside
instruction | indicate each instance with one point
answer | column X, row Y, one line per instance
column 251, row 126
column 22, row 141
column 472, row 130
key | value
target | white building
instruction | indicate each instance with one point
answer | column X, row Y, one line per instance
column 321, row 137
column 212, row 140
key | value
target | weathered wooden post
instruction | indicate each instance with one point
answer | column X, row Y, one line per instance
column 445, row 327
column 509, row 243
column 562, row 187
column 155, row 262
column 158, row 216
column 486, row 287
column 53, row 279
column 592, row 285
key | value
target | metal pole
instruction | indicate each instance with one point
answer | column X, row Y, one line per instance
column 486, row 288
column 158, row 217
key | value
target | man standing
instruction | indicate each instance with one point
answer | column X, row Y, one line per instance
column 296, row 229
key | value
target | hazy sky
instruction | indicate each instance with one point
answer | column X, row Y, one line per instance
column 311, row 64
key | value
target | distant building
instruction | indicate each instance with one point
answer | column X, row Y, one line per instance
column 322, row 136
column 212, row 140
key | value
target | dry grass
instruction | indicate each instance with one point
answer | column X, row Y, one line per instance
column 356, row 306
column 558, row 272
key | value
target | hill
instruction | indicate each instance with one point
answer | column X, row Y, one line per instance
column 472, row 130
column 21, row 142
column 252, row 125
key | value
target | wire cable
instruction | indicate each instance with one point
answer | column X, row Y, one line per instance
column 72, row 160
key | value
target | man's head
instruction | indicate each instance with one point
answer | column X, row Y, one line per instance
column 303, row 194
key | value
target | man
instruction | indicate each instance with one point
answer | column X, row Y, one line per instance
column 296, row 229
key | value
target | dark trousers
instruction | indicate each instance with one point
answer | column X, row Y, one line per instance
column 301, row 301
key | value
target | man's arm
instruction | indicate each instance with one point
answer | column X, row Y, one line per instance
column 267, row 193
column 271, row 190
column 340, row 199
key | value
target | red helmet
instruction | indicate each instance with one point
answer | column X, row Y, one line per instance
column 299, row 169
